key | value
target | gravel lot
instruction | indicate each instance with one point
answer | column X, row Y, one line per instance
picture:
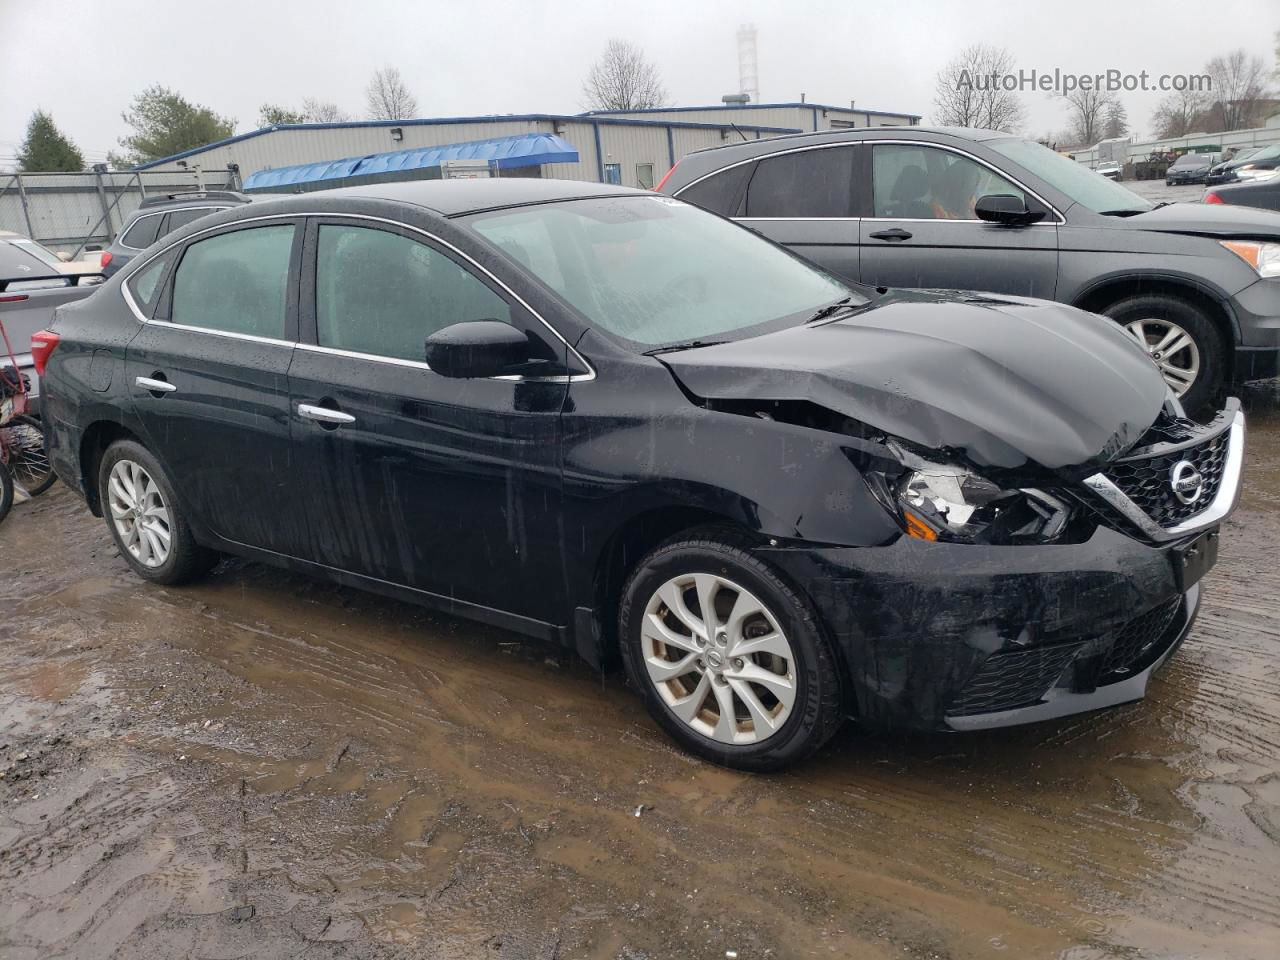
column 263, row 766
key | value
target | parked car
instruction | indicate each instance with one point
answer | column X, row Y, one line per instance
column 612, row 420
column 1263, row 192
column 159, row 216
column 50, row 262
column 951, row 208
column 1188, row 168
column 1246, row 165
column 1217, row 172
column 33, row 281
column 1110, row 169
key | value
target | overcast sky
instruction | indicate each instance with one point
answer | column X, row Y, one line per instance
column 82, row 62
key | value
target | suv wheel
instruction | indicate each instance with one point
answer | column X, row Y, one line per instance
column 729, row 659
column 145, row 519
column 1184, row 343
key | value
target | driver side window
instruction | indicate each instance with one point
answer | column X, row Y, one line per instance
column 383, row 294
column 926, row 183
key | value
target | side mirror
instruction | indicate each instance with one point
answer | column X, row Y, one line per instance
column 64, row 256
column 1005, row 209
column 477, row 348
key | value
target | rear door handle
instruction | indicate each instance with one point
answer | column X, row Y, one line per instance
column 897, row 233
column 155, row 386
column 324, row 414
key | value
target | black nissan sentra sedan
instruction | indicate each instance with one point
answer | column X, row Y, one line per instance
column 618, row 422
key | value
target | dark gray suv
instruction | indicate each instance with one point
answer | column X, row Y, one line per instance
column 160, row 216
column 1198, row 285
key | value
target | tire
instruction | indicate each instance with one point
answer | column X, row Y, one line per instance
column 6, row 492
column 687, row 705
column 1157, row 313
column 28, row 455
column 143, row 484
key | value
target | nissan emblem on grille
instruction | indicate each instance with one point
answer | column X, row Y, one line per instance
column 1187, row 481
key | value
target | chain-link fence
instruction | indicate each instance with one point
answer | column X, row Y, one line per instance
column 73, row 212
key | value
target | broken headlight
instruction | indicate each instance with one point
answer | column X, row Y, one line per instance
column 951, row 504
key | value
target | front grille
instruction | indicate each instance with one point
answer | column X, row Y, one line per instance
column 1147, row 481
column 1007, row 681
column 1133, row 643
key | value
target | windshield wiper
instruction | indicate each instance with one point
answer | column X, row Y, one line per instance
column 687, row 345
column 823, row 312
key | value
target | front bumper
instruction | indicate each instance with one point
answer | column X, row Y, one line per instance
column 918, row 625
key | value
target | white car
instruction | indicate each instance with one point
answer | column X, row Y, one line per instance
column 1109, row 169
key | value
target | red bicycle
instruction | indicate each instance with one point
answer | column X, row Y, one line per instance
column 24, row 460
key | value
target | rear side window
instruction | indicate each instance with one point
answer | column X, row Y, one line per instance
column 383, row 294
column 721, row 192
column 145, row 284
column 811, row 183
column 180, row 218
column 143, row 233
column 235, row 282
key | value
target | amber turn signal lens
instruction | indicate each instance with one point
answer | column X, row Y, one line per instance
column 917, row 529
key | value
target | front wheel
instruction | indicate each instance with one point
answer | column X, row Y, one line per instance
column 730, row 660
column 28, row 455
column 1182, row 341
column 145, row 518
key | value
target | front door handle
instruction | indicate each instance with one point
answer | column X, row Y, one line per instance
column 155, row 386
column 324, row 414
column 896, row 234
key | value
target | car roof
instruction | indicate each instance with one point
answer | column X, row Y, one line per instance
column 860, row 133
column 451, row 198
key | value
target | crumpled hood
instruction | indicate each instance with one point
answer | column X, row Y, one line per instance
column 1211, row 219
column 1006, row 381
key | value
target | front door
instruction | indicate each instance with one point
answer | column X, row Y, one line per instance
column 442, row 485
column 208, row 374
column 923, row 231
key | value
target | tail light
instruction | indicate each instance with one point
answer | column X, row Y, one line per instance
column 663, row 181
column 1212, row 198
column 43, row 343
column 107, row 257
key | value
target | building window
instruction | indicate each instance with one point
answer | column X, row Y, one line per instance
column 613, row 173
column 644, row 176
column 843, row 124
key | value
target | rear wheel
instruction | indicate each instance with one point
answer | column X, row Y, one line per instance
column 729, row 659
column 1184, row 344
column 28, row 456
column 145, row 518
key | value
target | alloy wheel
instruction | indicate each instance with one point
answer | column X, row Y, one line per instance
column 718, row 658
column 1172, row 349
column 140, row 515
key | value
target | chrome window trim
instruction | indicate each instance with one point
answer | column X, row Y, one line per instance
column 872, row 142
column 1223, row 502
column 159, row 213
column 136, row 266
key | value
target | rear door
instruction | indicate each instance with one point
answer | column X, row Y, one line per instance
column 208, row 374
column 923, row 232
column 443, row 485
column 804, row 199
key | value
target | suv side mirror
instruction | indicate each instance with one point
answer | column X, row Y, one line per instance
column 1005, row 209
column 477, row 348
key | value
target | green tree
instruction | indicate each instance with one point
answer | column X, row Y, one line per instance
column 274, row 115
column 46, row 150
column 165, row 123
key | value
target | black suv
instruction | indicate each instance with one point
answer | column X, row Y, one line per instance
column 157, row 217
column 1197, row 285
column 614, row 421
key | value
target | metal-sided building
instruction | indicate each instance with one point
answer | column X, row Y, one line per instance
column 634, row 149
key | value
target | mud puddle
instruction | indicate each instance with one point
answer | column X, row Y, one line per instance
column 265, row 766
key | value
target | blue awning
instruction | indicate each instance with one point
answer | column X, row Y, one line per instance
column 530, row 149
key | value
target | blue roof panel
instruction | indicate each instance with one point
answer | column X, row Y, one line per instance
column 527, row 150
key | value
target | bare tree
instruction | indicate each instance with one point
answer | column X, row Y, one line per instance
column 388, row 97
column 1179, row 114
column 1239, row 84
column 1087, row 112
column 968, row 91
column 323, row 111
column 623, row 79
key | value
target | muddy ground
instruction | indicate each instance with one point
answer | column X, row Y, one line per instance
column 264, row 766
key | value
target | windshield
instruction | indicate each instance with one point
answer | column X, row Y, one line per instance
column 1266, row 153
column 656, row 271
column 43, row 254
column 1191, row 160
column 1077, row 181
